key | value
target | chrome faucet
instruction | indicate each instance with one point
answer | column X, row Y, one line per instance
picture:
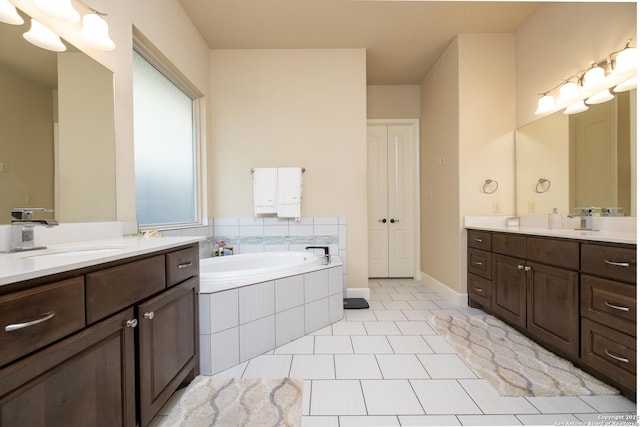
column 327, row 257
column 22, row 225
column 586, row 219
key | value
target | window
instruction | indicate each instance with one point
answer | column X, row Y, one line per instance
column 165, row 147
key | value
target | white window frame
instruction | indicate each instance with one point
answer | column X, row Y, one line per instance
column 152, row 55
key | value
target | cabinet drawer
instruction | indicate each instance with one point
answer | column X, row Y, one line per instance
column 610, row 303
column 36, row 317
column 479, row 239
column 113, row 289
column 508, row 244
column 479, row 290
column 610, row 352
column 609, row 261
column 561, row 253
column 182, row 264
column 479, row 262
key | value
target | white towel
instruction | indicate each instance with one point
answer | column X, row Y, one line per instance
column 289, row 192
column 265, row 190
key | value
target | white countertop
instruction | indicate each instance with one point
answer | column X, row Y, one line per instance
column 19, row 266
column 611, row 235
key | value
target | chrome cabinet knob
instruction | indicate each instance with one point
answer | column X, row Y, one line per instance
column 149, row 315
column 131, row 323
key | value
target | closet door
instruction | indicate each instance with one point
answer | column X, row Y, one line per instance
column 391, row 200
column 378, row 219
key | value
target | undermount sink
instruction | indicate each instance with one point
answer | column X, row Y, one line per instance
column 68, row 253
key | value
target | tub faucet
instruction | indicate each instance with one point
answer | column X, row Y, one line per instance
column 22, row 225
column 327, row 257
column 586, row 219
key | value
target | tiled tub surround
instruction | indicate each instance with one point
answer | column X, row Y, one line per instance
column 248, row 235
column 238, row 324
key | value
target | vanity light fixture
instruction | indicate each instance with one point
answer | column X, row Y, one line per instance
column 58, row 9
column 618, row 71
column 42, row 36
column 9, row 14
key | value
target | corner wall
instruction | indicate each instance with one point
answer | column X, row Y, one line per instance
column 467, row 130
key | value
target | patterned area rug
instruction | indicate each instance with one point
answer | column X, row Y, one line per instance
column 512, row 363
column 258, row 402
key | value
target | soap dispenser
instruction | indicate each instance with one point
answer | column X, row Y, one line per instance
column 555, row 219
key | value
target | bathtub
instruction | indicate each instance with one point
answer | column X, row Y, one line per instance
column 219, row 273
column 252, row 303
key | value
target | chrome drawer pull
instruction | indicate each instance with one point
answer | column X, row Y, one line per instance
column 613, row 356
column 479, row 290
column 15, row 326
column 478, row 240
column 185, row 265
column 617, row 264
column 617, row 307
column 478, row 262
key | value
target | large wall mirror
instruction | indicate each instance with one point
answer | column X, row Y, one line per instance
column 57, row 133
column 580, row 160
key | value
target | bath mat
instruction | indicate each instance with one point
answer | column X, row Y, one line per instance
column 513, row 364
column 258, row 402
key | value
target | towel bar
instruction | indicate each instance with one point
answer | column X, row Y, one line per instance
column 253, row 170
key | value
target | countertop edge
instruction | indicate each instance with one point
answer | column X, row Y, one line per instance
column 15, row 268
column 628, row 238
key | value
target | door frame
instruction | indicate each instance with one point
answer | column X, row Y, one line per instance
column 415, row 124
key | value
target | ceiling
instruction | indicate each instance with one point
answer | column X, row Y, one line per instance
column 403, row 39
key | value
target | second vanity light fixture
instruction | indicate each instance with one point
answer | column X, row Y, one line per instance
column 618, row 71
column 95, row 30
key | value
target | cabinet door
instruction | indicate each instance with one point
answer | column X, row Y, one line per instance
column 509, row 293
column 168, row 340
column 84, row 380
column 552, row 307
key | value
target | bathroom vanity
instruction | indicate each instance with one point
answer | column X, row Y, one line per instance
column 98, row 337
column 572, row 292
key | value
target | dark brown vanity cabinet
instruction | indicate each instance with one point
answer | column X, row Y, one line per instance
column 137, row 341
column 534, row 294
column 577, row 298
column 608, row 312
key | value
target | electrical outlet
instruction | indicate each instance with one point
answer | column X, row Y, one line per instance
column 532, row 206
column 496, row 207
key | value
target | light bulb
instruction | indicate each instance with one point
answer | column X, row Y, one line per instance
column 546, row 104
column 95, row 31
column 44, row 37
column 9, row 14
column 576, row 107
column 594, row 77
column 632, row 83
column 568, row 92
column 627, row 60
column 600, row 97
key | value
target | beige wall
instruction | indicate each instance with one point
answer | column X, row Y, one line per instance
column 561, row 39
column 307, row 108
column 26, row 145
column 393, row 102
column 440, row 203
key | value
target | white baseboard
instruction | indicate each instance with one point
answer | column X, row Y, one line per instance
column 358, row 293
column 450, row 294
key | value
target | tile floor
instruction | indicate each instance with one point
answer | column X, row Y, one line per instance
column 386, row 366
